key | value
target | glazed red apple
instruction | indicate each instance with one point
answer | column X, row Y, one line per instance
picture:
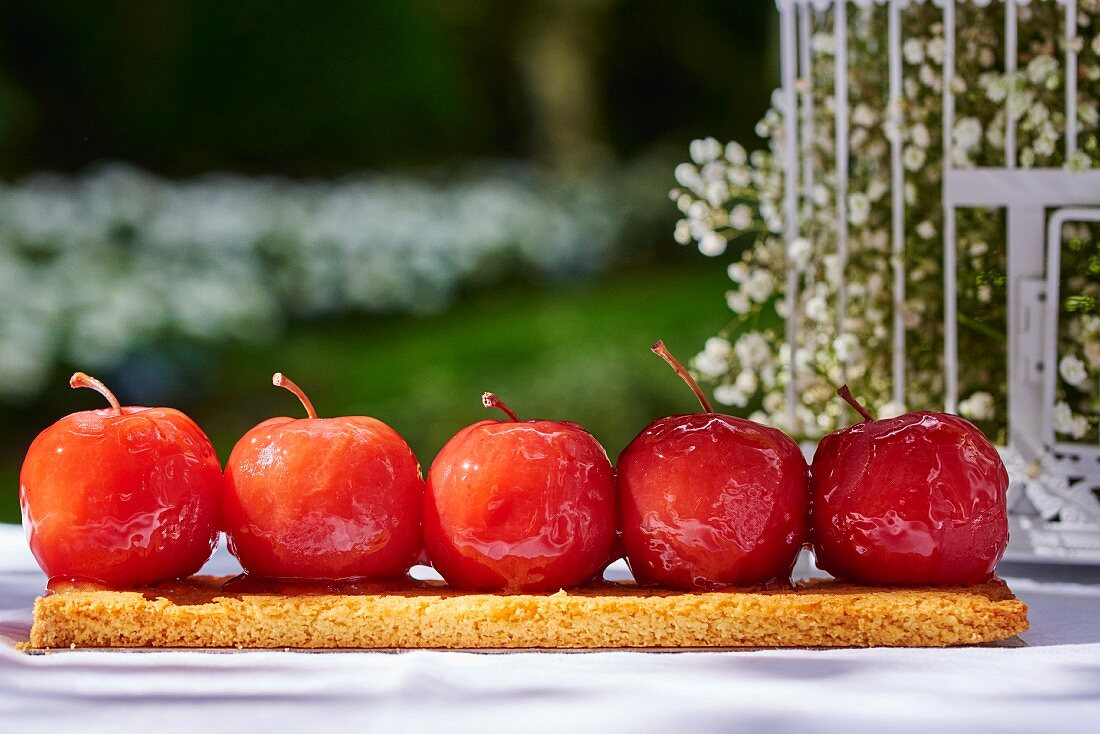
column 323, row 498
column 913, row 500
column 122, row 496
column 520, row 506
column 709, row 500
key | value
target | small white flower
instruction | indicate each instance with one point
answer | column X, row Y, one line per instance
column 752, row 350
column 1092, row 354
column 709, row 365
column 859, row 208
column 746, row 382
column 739, row 176
column 996, row 87
column 891, row 409
column 712, row 244
column 799, row 252
column 741, row 217
column 817, row 309
column 1040, row 68
column 1065, row 422
column 823, row 43
column 735, row 154
column 759, row 286
column 705, row 150
column 718, row 347
column 979, row 406
column 863, row 116
column 847, row 348
column 1089, row 114
column 682, row 233
column 936, row 49
column 730, row 395
column 929, row 78
column 1045, row 144
column 738, row 272
column 1072, row 370
column 688, row 176
column 738, row 302
column 913, row 51
column 1037, row 115
column 913, row 158
column 1019, row 102
column 926, row 230
column 877, row 190
column 820, row 195
column 920, row 136
column 1079, row 161
column 968, row 133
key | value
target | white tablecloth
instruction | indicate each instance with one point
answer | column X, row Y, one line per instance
column 1053, row 684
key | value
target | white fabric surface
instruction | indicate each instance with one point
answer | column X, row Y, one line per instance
column 1051, row 685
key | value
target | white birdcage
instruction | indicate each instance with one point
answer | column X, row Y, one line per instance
column 1054, row 494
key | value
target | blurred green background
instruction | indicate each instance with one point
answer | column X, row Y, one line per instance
column 586, row 105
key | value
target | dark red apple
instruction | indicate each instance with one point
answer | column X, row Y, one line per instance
column 323, row 498
column 517, row 505
column 913, row 500
column 709, row 500
column 122, row 496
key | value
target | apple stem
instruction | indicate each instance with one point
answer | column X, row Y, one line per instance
column 662, row 351
column 846, row 394
column 489, row 400
column 79, row 379
column 281, row 380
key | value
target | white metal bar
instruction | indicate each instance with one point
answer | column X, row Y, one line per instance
column 805, row 71
column 840, row 33
column 950, row 296
column 1053, row 303
column 788, row 62
column 1012, row 55
column 897, row 200
column 1026, row 225
column 1054, row 276
column 1071, row 78
column 1001, row 187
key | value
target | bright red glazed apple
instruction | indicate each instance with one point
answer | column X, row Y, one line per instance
column 913, row 500
column 122, row 496
column 323, row 498
column 708, row 500
column 520, row 506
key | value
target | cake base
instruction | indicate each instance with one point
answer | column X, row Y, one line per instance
column 206, row 612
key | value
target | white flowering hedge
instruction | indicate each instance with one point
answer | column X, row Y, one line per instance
column 732, row 203
column 95, row 266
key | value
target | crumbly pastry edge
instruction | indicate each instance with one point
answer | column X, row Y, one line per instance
column 828, row 614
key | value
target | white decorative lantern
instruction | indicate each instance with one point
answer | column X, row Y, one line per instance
column 1054, row 493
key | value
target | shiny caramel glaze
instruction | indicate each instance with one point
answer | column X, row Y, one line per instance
column 711, row 501
column 520, row 506
column 919, row 500
column 124, row 496
column 323, row 498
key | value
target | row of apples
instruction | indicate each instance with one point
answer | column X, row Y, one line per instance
column 131, row 496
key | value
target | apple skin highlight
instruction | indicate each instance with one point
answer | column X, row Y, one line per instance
column 915, row 500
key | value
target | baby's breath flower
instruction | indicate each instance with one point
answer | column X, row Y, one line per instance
column 979, row 406
column 1072, row 370
column 1065, row 422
